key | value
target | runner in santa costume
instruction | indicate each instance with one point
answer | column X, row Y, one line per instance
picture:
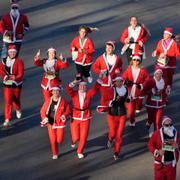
column 54, row 113
column 106, row 66
column 13, row 27
column 81, row 113
column 167, row 51
column 135, row 76
column 82, row 49
column 51, row 66
column 12, row 72
column 134, row 38
column 156, row 91
column 116, row 97
column 165, row 146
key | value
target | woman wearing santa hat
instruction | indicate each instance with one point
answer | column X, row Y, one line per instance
column 13, row 27
column 135, row 76
column 165, row 146
column 12, row 72
column 106, row 66
column 81, row 113
column 167, row 51
column 54, row 113
column 156, row 91
column 134, row 38
column 82, row 49
column 115, row 97
column 51, row 66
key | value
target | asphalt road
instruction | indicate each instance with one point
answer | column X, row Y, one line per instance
column 25, row 149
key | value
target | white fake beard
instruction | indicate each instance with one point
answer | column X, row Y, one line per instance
column 169, row 131
column 14, row 12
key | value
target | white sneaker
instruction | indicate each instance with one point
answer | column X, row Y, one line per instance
column 6, row 123
column 138, row 111
column 80, row 155
column 73, row 145
column 90, row 79
column 109, row 144
column 18, row 114
column 115, row 156
column 54, row 157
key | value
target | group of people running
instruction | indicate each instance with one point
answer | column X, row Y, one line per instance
column 122, row 90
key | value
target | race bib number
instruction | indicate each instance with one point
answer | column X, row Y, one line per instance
column 48, row 76
column 8, row 82
column 156, row 98
column 74, row 55
column 167, row 147
column 163, row 60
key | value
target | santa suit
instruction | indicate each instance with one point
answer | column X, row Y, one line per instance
column 81, row 114
column 48, row 81
column 84, row 59
column 110, row 64
column 163, row 170
column 134, row 77
column 18, row 27
column 12, row 89
column 56, row 126
column 156, row 100
column 135, row 35
column 172, row 50
column 116, row 116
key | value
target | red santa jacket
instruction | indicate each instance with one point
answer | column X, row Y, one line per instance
column 141, row 35
column 133, row 82
column 83, row 58
column 63, row 108
column 83, row 113
column 172, row 51
column 102, row 64
column 46, row 81
column 16, row 68
column 17, row 28
column 156, row 93
column 155, row 144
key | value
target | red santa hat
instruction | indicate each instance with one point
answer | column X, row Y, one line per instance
column 111, row 43
column 14, row 3
column 51, row 49
column 168, row 30
column 118, row 77
column 165, row 118
column 82, row 82
column 12, row 48
column 158, row 71
column 136, row 56
column 55, row 86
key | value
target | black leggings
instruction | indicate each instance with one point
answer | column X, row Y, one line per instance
column 83, row 70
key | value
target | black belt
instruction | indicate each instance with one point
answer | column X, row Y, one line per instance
column 81, row 109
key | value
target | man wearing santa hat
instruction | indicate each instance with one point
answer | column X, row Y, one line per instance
column 134, row 38
column 82, row 49
column 135, row 77
column 54, row 113
column 156, row 90
column 12, row 72
column 81, row 113
column 165, row 146
column 13, row 27
column 106, row 66
column 52, row 66
column 167, row 51
column 115, row 97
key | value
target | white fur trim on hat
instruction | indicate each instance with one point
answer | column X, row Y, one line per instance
column 165, row 118
column 167, row 32
column 136, row 57
column 55, row 88
column 83, row 83
column 51, row 49
column 118, row 78
column 157, row 71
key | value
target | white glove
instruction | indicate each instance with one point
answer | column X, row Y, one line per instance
column 44, row 122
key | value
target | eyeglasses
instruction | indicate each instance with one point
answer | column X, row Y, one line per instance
column 167, row 125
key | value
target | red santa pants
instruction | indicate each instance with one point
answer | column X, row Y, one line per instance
column 47, row 94
column 116, row 126
column 12, row 98
column 79, row 132
column 133, row 105
column 56, row 136
column 155, row 116
column 164, row 172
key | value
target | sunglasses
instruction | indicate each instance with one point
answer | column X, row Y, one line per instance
column 136, row 60
column 14, row 8
column 167, row 125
